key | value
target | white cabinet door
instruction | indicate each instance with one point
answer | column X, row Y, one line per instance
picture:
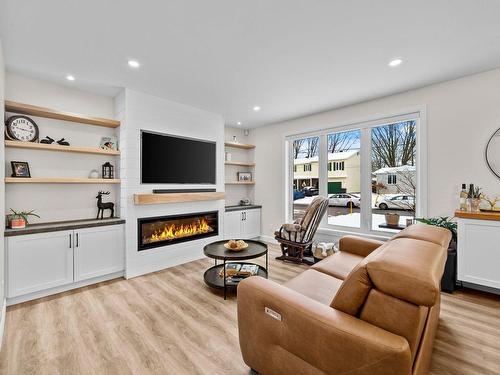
column 251, row 224
column 478, row 252
column 99, row 251
column 232, row 225
column 39, row 261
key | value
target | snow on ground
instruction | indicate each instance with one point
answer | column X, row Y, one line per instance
column 353, row 220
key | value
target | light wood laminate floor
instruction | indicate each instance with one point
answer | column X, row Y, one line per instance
column 169, row 322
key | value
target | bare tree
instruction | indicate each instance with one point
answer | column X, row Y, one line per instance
column 394, row 145
column 409, row 143
column 385, row 144
column 339, row 142
column 312, row 144
column 297, row 147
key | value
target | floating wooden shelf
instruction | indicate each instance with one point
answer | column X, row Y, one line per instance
column 60, row 180
column 141, row 199
column 241, row 183
column 482, row 215
column 241, row 163
column 28, row 109
column 59, row 148
column 239, row 145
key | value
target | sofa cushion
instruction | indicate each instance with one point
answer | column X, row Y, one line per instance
column 439, row 236
column 408, row 269
column 396, row 316
column 315, row 285
column 339, row 264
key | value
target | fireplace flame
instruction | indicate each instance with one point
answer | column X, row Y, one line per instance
column 174, row 230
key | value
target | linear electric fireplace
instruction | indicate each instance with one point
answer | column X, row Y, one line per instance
column 167, row 230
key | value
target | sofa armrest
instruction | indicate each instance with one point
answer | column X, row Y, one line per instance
column 358, row 245
column 309, row 336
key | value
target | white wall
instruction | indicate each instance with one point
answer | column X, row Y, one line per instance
column 57, row 202
column 234, row 193
column 141, row 111
column 461, row 116
column 2, row 200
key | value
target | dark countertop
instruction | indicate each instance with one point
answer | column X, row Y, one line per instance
column 62, row 225
column 241, row 208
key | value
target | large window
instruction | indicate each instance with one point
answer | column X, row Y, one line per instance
column 368, row 171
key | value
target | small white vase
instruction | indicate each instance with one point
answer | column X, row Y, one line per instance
column 93, row 174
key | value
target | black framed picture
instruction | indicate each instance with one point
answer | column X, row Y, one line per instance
column 20, row 169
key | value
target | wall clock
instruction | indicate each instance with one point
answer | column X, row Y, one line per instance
column 21, row 128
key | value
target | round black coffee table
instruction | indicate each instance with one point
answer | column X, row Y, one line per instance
column 217, row 251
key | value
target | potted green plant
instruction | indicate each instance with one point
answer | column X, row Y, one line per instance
column 448, row 281
column 18, row 220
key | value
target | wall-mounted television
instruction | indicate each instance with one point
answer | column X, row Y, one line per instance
column 167, row 159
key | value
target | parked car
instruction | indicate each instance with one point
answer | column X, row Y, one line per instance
column 398, row 202
column 344, row 200
column 310, row 191
column 298, row 195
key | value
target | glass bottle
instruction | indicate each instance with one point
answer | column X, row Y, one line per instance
column 463, row 198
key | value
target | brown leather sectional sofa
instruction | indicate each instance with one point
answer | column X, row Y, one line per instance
column 372, row 308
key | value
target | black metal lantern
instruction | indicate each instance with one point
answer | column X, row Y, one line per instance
column 108, row 171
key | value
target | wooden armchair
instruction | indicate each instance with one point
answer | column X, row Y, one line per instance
column 297, row 237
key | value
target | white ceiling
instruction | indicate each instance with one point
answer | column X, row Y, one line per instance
column 290, row 57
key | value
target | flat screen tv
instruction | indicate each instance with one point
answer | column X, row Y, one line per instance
column 167, row 159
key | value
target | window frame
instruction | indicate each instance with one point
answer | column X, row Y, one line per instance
column 392, row 179
column 365, row 126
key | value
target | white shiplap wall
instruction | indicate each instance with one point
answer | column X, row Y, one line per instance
column 141, row 111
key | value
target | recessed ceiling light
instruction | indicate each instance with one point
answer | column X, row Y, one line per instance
column 256, row 108
column 395, row 62
column 134, row 63
column 69, row 77
column 238, row 123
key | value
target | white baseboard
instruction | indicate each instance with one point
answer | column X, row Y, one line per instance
column 2, row 321
column 62, row 288
column 268, row 239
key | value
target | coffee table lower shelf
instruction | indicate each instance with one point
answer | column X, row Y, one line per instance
column 213, row 280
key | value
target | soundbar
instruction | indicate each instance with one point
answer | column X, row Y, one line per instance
column 170, row 191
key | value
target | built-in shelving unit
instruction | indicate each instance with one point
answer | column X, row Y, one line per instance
column 60, row 180
column 246, row 164
column 28, row 109
column 72, row 119
column 58, row 148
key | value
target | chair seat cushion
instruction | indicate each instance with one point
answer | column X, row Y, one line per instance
column 339, row 264
column 315, row 285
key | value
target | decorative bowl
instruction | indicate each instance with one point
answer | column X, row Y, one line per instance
column 239, row 248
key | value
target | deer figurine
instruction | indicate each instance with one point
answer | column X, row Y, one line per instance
column 104, row 206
